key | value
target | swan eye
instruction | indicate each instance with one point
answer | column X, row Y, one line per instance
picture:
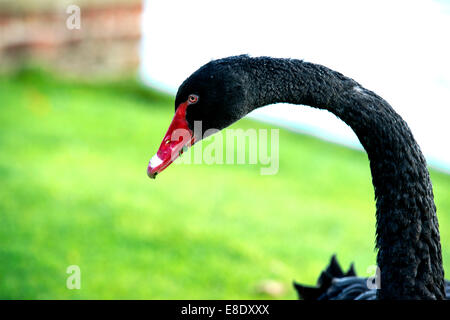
column 193, row 98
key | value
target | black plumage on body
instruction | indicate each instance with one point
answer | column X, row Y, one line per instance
column 334, row 284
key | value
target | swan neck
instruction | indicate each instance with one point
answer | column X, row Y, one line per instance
column 407, row 238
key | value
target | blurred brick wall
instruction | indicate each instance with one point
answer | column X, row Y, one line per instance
column 106, row 44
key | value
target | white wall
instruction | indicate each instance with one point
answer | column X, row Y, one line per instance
column 399, row 49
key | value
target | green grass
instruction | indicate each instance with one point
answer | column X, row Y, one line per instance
column 74, row 191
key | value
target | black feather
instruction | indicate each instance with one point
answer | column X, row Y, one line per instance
column 407, row 229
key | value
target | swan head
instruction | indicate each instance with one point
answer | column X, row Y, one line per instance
column 212, row 98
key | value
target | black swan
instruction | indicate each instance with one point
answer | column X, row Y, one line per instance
column 407, row 231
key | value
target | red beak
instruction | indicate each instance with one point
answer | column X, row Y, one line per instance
column 178, row 137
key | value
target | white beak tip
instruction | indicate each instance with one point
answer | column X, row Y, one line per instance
column 155, row 161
